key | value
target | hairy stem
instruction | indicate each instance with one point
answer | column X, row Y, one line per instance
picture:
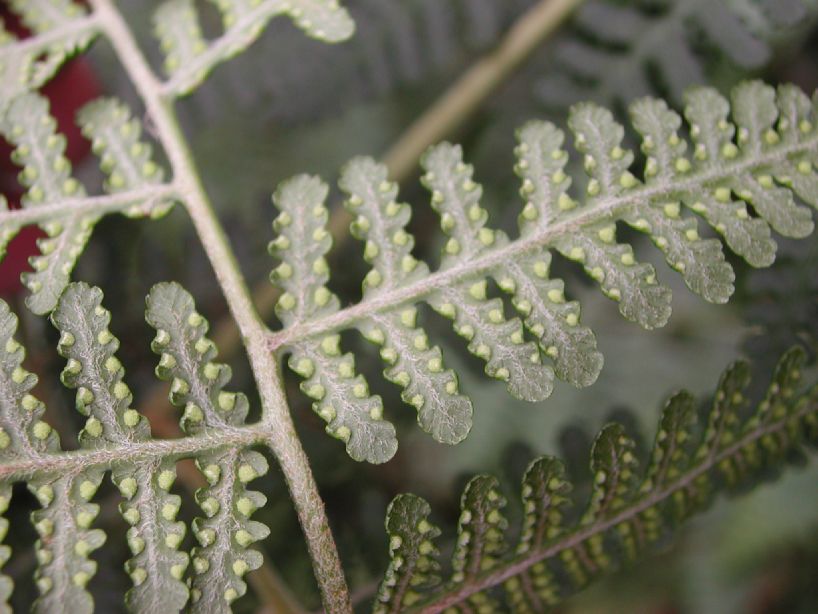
column 76, row 461
column 476, row 84
column 509, row 569
column 277, row 423
column 42, row 42
column 108, row 203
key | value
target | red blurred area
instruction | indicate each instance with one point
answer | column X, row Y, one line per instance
column 69, row 90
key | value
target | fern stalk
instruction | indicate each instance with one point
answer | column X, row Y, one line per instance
column 76, row 461
column 109, row 203
column 279, row 430
column 470, row 91
column 41, row 42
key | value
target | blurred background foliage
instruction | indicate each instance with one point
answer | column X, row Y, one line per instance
column 293, row 105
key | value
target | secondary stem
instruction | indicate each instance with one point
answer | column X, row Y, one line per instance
column 477, row 83
column 276, row 420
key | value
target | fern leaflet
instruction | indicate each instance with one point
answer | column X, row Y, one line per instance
column 189, row 57
column 628, row 511
column 62, row 28
column 117, row 438
column 47, row 175
column 765, row 158
column 135, row 184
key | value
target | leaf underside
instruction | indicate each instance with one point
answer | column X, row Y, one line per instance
column 163, row 580
column 629, row 510
column 748, row 169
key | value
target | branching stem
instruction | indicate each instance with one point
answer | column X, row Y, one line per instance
column 100, row 205
column 76, row 461
column 276, row 423
column 41, row 42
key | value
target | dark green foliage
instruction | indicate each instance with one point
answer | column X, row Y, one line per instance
column 629, row 509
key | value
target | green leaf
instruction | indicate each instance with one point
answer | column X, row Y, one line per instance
column 66, row 541
column 157, row 567
column 641, row 298
column 755, row 113
column 493, row 338
column 539, row 297
column 64, row 520
column 8, row 229
column 189, row 57
column 340, row 396
column 324, row 20
column 24, row 433
column 613, row 467
column 177, row 26
column 44, row 15
column 480, row 535
column 480, row 529
column 125, row 158
column 47, row 174
column 628, row 511
column 544, row 494
column 670, row 453
column 749, row 237
column 700, row 261
column 412, row 552
column 411, row 363
column 25, row 67
column 226, row 531
column 772, row 148
column 187, row 361
column 15, row 68
column 794, row 121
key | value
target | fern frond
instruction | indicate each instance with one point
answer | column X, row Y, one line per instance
column 198, row 382
column 189, row 57
column 764, row 158
column 55, row 199
column 156, row 567
column 58, row 201
column 627, row 512
column 340, row 396
column 64, row 520
column 124, row 157
column 412, row 553
column 427, row 385
column 397, row 43
column 492, row 337
column 47, row 175
column 60, row 28
column 8, row 230
column 117, row 438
